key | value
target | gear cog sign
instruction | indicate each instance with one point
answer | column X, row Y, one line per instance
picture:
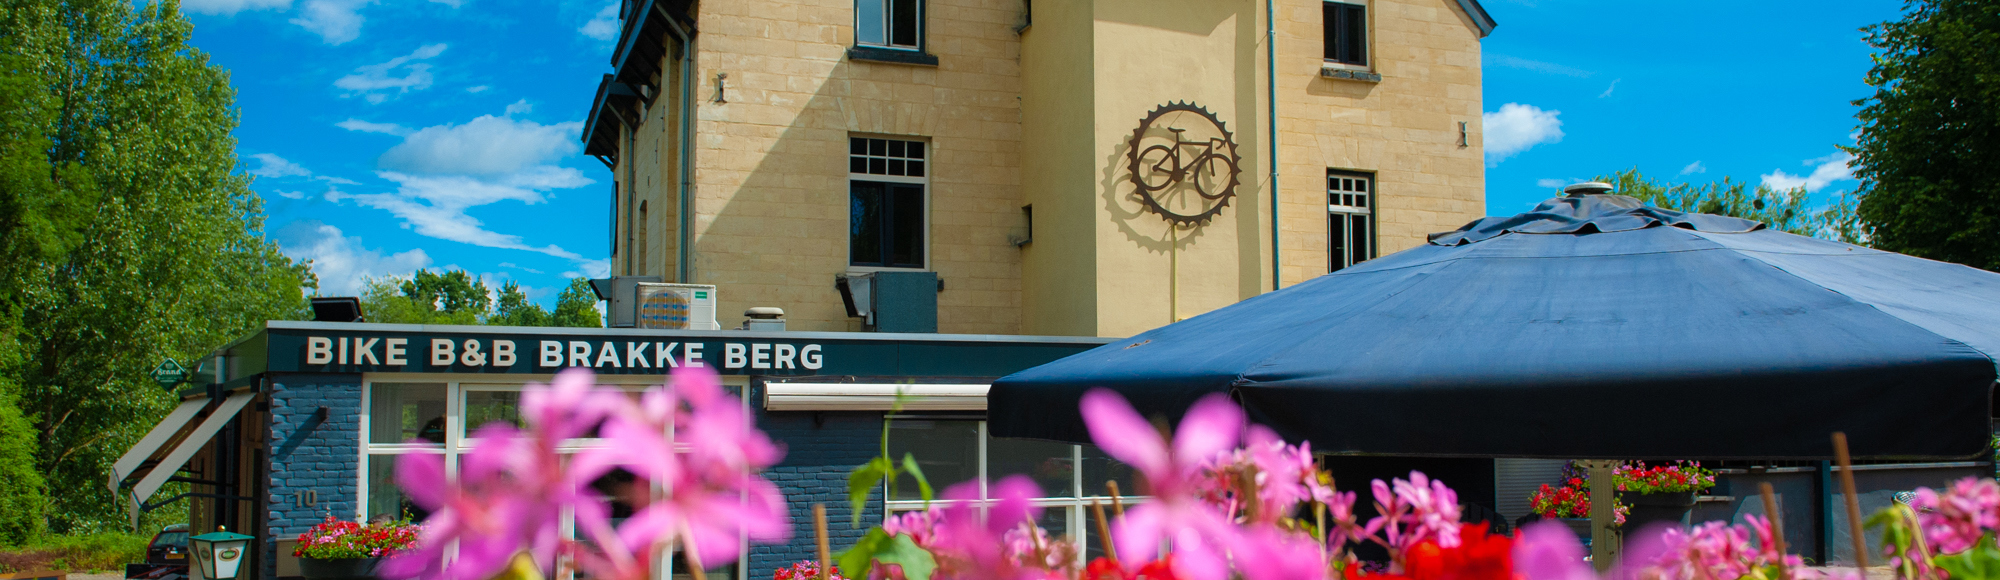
column 1184, row 164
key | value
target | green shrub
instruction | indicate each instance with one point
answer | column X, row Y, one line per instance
column 89, row 552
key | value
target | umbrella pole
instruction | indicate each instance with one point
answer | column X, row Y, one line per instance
column 1603, row 514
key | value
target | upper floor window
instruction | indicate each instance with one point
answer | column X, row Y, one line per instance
column 887, row 216
column 1350, row 219
column 889, row 23
column 1346, row 30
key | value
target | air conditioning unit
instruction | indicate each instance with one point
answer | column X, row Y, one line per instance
column 676, row 306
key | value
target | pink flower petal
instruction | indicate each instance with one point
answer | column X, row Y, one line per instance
column 1120, row 432
column 1211, row 426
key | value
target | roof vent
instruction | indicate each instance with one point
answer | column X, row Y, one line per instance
column 1587, row 188
column 336, row 309
column 764, row 318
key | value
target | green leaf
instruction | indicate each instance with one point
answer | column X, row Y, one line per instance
column 878, row 546
column 1982, row 562
column 863, row 480
column 923, row 485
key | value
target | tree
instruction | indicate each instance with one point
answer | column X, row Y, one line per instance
column 577, row 306
column 1930, row 135
column 514, row 309
column 132, row 235
column 426, row 297
column 1784, row 210
column 457, row 297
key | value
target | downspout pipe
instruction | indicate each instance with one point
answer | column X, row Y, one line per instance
column 1271, row 77
column 682, row 270
column 631, row 189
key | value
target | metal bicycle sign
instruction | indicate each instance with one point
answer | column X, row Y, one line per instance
column 1184, row 163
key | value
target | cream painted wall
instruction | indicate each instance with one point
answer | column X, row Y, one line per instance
column 1058, row 117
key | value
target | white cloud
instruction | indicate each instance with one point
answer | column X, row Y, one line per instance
column 335, row 21
column 1829, row 169
column 1538, row 66
column 435, row 207
column 589, row 269
column 603, row 26
column 520, row 106
column 478, row 89
column 342, row 262
column 1607, row 90
column 368, row 127
column 1693, row 168
column 291, row 194
column 520, row 267
column 1517, row 127
column 373, row 81
column 486, row 146
column 269, row 165
column 1550, row 182
column 231, row 7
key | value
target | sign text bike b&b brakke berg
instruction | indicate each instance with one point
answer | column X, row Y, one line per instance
column 508, row 354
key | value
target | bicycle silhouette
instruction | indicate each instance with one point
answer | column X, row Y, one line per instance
column 1162, row 171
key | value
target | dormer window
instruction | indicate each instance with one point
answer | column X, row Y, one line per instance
column 889, row 23
column 1346, row 32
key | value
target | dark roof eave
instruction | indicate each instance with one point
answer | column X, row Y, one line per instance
column 1479, row 16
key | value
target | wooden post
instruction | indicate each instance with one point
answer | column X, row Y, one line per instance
column 819, row 535
column 1853, row 501
column 1117, row 505
column 1603, row 513
column 1104, row 532
column 1777, row 527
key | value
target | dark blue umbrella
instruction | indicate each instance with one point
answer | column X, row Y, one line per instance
column 1592, row 327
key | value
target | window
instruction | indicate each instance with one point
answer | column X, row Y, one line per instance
column 442, row 417
column 1350, row 219
column 889, row 23
column 1346, row 30
column 887, row 219
column 956, row 449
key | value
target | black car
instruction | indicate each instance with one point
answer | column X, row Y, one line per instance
column 170, row 546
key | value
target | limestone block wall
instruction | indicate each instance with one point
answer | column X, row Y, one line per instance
column 771, row 203
column 307, row 453
column 1404, row 129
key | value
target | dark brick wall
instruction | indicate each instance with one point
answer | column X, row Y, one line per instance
column 311, row 454
column 820, row 448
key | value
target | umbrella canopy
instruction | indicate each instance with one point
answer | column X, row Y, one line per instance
column 1592, row 327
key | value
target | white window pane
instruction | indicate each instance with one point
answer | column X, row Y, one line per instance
column 406, row 412
column 1050, row 464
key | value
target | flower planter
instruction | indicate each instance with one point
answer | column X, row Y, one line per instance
column 338, row 569
column 1649, row 508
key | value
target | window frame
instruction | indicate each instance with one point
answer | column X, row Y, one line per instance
column 1347, row 212
column 888, row 23
column 1330, row 54
column 1076, row 508
column 923, row 183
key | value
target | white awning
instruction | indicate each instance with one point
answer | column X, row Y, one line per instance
column 187, row 448
column 161, row 433
column 873, row 397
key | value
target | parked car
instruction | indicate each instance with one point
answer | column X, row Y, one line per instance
column 166, row 556
column 170, row 546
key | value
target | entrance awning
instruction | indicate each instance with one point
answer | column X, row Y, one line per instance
column 164, row 470
column 173, row 425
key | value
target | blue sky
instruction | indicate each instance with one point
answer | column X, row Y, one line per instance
column 387, row 137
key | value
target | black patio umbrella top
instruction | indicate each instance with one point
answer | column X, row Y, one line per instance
column 1592, row 327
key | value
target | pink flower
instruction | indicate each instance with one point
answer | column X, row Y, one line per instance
column 1548, row 550
column 1955, row 521
column 1200, row 533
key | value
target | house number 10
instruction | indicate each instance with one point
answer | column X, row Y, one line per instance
column 307, row 497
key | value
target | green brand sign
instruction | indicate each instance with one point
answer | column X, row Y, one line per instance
column 169, row 373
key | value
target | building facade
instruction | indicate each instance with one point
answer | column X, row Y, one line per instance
column 1088, row 167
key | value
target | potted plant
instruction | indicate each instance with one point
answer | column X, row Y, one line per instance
column 1569, row 504
column 1661, row 493
column 343, row 550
